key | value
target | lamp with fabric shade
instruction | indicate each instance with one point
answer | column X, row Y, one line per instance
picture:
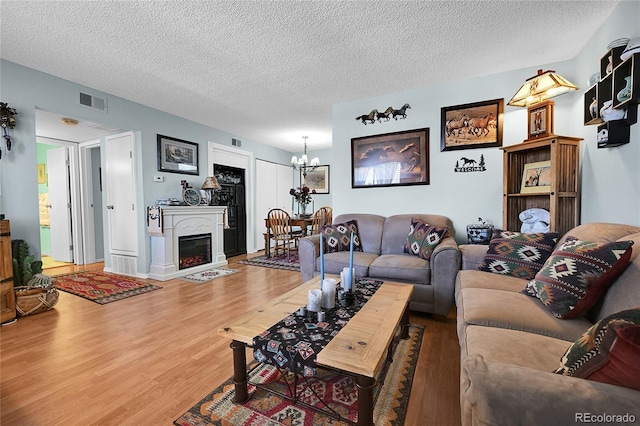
column 210, row 185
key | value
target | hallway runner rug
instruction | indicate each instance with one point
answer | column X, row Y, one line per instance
column 278, row 262
column 339, row 391
column 208, row 275
column 101, row 287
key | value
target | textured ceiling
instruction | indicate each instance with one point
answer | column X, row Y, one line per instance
column 270, row 70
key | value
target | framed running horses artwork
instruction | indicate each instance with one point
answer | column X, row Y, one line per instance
column 476, row 125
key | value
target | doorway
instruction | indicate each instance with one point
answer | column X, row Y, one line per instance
column 232, row 195
column 82, row 180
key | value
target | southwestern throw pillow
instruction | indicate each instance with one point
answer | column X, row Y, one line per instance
column 577, row 274
column 518, row 254
column 337, row 237
column 607, row 352
column 423, row 238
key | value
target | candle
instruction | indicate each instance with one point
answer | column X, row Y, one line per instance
column 351, row 261
column 321, row 259
column 329, row 293
column 321, row 316
column 314, row 298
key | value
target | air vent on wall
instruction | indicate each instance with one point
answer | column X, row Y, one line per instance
column 92, row 101
column 236, row 142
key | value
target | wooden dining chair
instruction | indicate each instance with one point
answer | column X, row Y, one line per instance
column 281, row 230
column 321, row 217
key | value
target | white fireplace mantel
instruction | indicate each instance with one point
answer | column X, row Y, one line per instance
column 181, row 221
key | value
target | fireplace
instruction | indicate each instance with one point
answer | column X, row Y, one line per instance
column 194, row 250
column 189, row 240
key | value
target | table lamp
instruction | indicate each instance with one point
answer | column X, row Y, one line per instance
column 210, row 185
column 535, row 94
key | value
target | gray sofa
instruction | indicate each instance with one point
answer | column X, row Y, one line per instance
column 383, row 258
column 510, row 344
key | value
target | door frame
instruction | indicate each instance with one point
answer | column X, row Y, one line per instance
column 241, row 159
column 74, row 190
column 86, row 197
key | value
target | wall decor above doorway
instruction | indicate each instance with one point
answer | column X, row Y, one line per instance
column 177, row 156
column 475, row 125
column 391, row 159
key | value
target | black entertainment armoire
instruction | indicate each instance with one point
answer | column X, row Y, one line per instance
column 232, row 195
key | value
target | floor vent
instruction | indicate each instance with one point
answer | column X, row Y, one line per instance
column 126, row 265
column 93, row 102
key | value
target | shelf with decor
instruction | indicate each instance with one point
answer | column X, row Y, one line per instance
column 7, row 293
column 612, row 103
column 560, row 156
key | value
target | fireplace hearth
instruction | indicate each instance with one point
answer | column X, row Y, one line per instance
column 194, row 250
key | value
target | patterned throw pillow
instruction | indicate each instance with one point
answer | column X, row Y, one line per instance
column 518, row 254
column 423, row 238
column 608, row 352
column 337, row 237
column 577, row 274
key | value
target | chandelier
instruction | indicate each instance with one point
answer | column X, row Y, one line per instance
column 303, row 163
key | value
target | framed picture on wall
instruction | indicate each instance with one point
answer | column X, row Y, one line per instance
column 476, row 125
column 317, row 179
column 177, row 156
column 391, row 159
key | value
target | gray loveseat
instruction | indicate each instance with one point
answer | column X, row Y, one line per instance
column 383, row 258
column 510, row 344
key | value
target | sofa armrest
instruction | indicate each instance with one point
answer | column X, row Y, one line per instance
column 308, row 252
column 444, row 264
column 472, row 255
column 495, row 393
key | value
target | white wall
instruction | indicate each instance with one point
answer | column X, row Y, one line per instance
column 610, row 180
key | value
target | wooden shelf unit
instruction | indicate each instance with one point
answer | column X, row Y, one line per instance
column 7, row 292
column 606, row 89
column 563, row 200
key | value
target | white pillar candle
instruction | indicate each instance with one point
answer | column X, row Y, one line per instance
column 314, row 299
column 329, row 293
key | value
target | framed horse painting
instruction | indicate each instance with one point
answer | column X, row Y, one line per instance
column 391, row 159
column 476, row 125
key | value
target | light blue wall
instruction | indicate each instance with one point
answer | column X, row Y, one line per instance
column 26, row 89
column 610, row 177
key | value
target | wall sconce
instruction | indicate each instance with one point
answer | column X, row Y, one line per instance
column 535, row 94
column 211, row 185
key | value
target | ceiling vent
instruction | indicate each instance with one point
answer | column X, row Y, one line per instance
column 93, row 102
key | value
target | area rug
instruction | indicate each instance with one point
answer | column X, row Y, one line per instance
column 100, row 287
column 208, row 275
column 264, row 408
column 281, row 261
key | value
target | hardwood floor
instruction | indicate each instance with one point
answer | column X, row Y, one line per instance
column 147, row 359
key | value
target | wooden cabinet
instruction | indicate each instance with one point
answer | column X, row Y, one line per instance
column 561, row 200
column 7, row 293
column 619, row 86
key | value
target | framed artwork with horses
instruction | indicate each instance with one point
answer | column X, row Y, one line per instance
column 475, row 125
column 391, row 159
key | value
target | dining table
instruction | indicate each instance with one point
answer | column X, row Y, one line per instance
column 300, row 221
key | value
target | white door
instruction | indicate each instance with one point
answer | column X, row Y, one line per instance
column 59, row 204
column 272, row 191
column 121, row 194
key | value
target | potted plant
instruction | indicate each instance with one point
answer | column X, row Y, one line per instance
column 35, row 292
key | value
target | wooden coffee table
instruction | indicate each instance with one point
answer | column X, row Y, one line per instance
column 360, row 348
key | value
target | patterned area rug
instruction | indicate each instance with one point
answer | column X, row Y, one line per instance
column 340, row 391
column 278, row 262
column 208, row 275
column 100, row 287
